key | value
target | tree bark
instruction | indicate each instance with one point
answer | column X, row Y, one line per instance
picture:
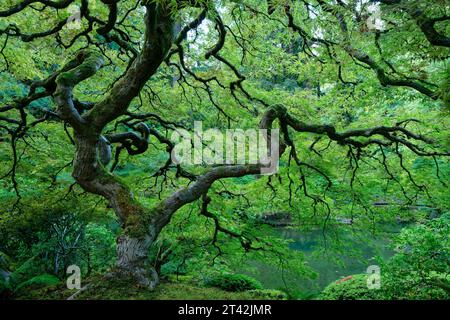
column 139, row 230
column 133, row 262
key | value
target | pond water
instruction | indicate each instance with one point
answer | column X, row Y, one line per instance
column 351, row 252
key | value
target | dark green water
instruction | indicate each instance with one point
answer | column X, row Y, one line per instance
column 351, row 252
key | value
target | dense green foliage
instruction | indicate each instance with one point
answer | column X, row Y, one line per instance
column 354, row 288
column 233, row 282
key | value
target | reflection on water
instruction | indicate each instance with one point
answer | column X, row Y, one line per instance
column 348, row 253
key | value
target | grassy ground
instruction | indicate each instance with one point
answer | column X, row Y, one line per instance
column 100, row 288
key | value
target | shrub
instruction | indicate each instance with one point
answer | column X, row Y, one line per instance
column 269, row 294
column 350, row 288
column 42, row 280
column 233, row 282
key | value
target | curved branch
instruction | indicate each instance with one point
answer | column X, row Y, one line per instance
column 89, row 62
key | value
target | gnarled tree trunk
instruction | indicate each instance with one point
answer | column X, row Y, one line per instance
column 132, row 260
column 138, row 223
